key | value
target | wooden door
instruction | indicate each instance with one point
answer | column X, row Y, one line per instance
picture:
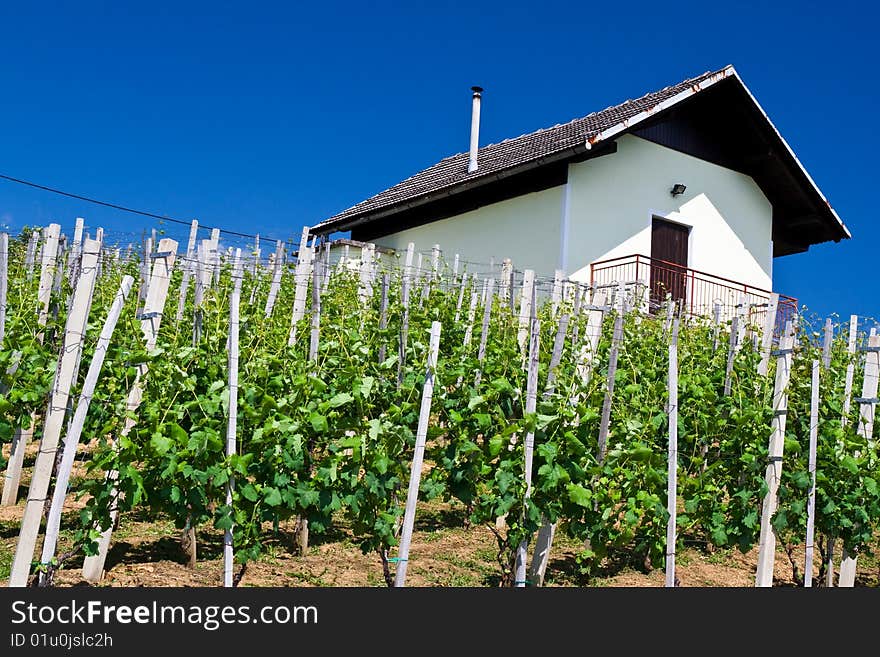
column 669, row 244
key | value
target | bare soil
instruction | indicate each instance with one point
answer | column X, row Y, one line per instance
column 147, row 552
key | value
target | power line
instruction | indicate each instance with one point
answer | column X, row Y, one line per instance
column 118, row 207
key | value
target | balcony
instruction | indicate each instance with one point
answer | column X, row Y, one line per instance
column 704, row 295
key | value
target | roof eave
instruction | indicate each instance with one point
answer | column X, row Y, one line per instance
column 723, row 74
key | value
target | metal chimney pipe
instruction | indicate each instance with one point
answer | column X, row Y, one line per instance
column 475, row 129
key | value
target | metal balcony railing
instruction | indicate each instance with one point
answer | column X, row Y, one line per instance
column 699, row 293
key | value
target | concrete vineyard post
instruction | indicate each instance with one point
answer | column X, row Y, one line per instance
column 255, row 255
column 75, row 251
column 275, row 285
column 203, row 282
column 435, row 261
column 544, row 540
column 383, row 315
column 716, row 325
column 74, row 431
column 767, row 335
column 188, row 267
column 556, row 293
column 4, row 278
column 525, row 310
column 731, row 353
column 30, row 254
column 461, row 287
column 302, row 274
column 22, row 437
column 232, row 421
column 150, row 321
column 767, row 540
column 827, row 339
column 54, row 417
column 404, row 320
column 811, row 498
column 672, row 456
column 605, row 420
column 315, row 334
column 47, row 272
column 867, row 405
column 418, row 457
column 484, row 333
column 504, row 289
column 743, row 311
column 145, row 270
column 850, row 368
column 215, row 255
column 519, row 579
column 472, row 312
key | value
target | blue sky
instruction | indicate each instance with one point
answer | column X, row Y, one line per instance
column 264, row 117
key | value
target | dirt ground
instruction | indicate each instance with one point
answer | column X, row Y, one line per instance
column 147, row 552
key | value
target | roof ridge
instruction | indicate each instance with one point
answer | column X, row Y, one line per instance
column 609, row 107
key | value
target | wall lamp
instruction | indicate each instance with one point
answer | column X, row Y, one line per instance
column 677, row 189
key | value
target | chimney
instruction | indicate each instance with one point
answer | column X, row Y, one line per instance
column 475, row 129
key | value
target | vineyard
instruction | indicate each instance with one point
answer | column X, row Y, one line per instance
column 221, row 396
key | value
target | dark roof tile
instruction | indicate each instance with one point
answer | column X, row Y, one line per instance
column 507, row 154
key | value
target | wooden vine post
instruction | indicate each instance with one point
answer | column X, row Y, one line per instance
column 767, row 539
column 150, row 319
column 672, row 461
column 232, row 421
column 54, row 418
column 519, row 579
column 418, row 457
column 74, row 431
column 867, row 404
column 811, row 498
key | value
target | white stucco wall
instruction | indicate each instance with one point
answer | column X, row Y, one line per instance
column 612, row 200
column 605, row 211
column 525, row 229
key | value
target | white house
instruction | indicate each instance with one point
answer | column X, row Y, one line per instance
column 690, row 189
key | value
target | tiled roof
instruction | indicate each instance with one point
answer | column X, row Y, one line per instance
column 508, row 154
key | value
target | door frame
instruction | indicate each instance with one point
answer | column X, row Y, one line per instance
column 673, row 218
column 677, row 219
